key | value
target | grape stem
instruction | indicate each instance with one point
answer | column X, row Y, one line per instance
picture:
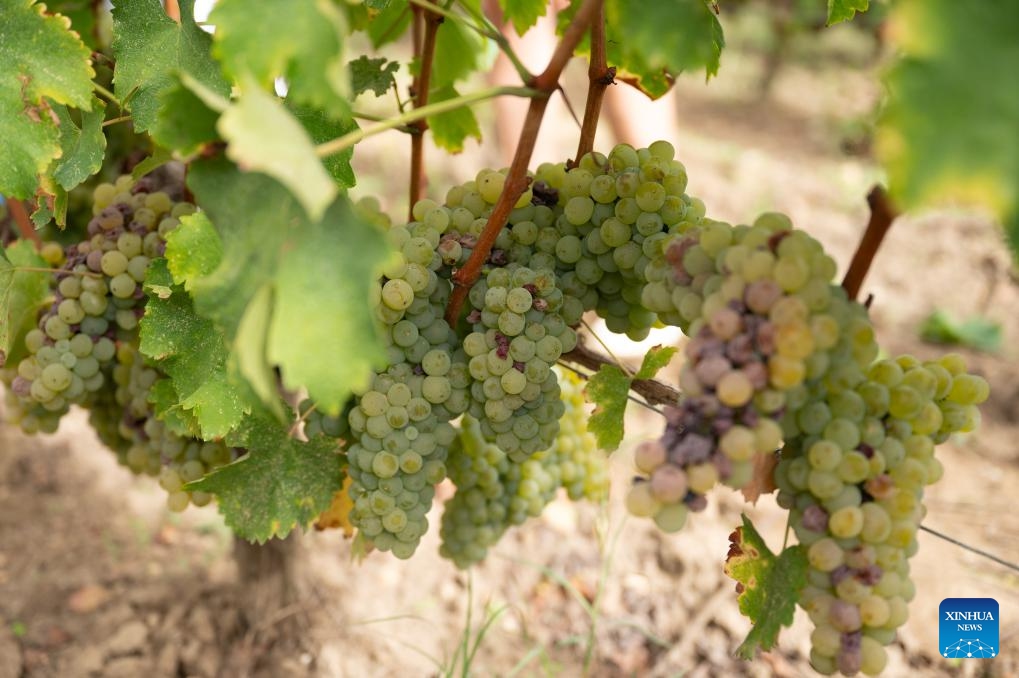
column 424, row 52
column 600, row 76
column 517, row 180
column 23, row 222
column 882, row 214
column 654, row 392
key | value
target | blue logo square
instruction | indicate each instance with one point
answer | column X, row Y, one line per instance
column 968, row 628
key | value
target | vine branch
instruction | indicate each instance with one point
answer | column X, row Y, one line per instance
column 344, row 142
column 516, row 178
column 21, row 219
column 600, row 76
column 654, row 392
column 424, row 49
column 882, row 214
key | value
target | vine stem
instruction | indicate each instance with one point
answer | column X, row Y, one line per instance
column 600, row 76
column 40, row 269
column 882, row 214
column 516, row 178
column 344, row 142
column 420, row 87
column 654, row 392
column 24, row 224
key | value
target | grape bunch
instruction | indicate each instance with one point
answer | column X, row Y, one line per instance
column 97, row 302
column 854, row 484
column 495, row 493
column 518, row 336
column 84, row 350
column 399, row 425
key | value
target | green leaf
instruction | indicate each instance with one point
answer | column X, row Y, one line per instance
column 377, row 75
column 458, row 52
column 650, row 43
column 980, row 333
column 22, row 293
column 322, row 128
column 281, row 483
column 41, row 63
column 193, row 250
column 263, row 136
column 451, row 129
column 321, row 273
column 159, row 157
column 150, row 47
column 657, row 357
column 184, row 122
column 523, row 13
column 299, row 40
column 166, row 406
column 389, row 24
column 608, row 389
column 769, row 586
column 948, row 130
column 82, row 14
column 192, row 351
column 82, row 147
column 844, row 10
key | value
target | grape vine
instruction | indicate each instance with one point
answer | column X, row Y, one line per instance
column 188, row 304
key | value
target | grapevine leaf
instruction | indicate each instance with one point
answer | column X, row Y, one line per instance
column 948, row 130
column 265, row 137
column 608, row 389
column 377, row 75
column 83, row 147
column 82, row 14
column 768, row 586
column 457, row 54
column 337, row 516
column 451, row 129
column 150, row 47
column 649, row 57
column 657, row 357
column 166, row 405
column 299, row 40
column 184, row 122
column 192, row 351
column 523, row 13
column 193, row 250
column 281, row 483
column 980, row 333
column 22, row 293
column 42, row 63
column 321, row 128
column 762, row 481
column 844, row 10
column 389, row 24
column 159, row 157
column 250, row 356
column 321, row 273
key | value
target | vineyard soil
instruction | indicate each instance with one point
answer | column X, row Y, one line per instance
column 97, row 579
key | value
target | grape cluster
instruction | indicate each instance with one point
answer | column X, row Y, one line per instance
column 399, row 425
column 518, row 336
column 495, row 493
column 766, row 326
column 97, row 303
column 854, row 485
column 84, row 350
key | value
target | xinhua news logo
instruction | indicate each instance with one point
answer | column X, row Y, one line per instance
column 968, row 628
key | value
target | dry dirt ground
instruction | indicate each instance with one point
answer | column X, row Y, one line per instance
column 97, row 579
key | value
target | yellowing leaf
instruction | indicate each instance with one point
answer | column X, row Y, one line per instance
column 768, row 586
